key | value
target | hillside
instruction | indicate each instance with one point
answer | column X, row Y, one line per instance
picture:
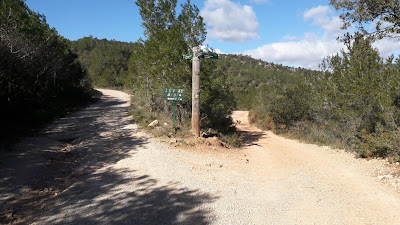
column 109, row 63
column 248, row 75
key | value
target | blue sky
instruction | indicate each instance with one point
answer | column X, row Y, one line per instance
column 290, row 32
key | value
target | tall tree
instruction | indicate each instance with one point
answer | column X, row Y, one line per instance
column 157, row 15
column 386, row 14
column 356, row 91
column 192, row 25
column 158, row 61
column 157, row 64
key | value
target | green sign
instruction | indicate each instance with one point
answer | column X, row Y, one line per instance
column 188, row 56
column 211, row 56
column 174, row 94
column 206, row 55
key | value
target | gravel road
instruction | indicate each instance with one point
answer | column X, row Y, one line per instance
column 124, row 176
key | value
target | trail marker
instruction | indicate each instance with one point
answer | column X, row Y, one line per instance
column 188, row 56
column 174, row 95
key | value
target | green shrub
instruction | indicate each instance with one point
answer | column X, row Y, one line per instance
column 380, row 143
column 281, row 103
column 232, row 139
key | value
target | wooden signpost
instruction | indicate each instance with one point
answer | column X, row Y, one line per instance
column 195, row 56
column 174, row 95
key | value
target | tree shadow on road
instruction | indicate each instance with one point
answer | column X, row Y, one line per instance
column 61, row 163
column 251, row 137
column 108, row 197
column 30, row 158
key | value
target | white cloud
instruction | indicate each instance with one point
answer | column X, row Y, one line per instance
column 309, row 50
column 207, row 48
column 259, row 1
column 322, row 16
column 372, row 27
column 387, row 46
column 290, row 38
column 305, row 53
column 218, row 51
column 317, row 12
column 230, row 21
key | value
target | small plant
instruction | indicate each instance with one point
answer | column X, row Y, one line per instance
column 379, row 144
column 233, row 139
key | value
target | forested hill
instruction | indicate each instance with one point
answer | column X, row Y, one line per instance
column 249, row 75
column 248, row 60
column 110, row 63
column 106, row 61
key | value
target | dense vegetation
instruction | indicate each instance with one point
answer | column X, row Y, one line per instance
column 147, row 67
column 39, row 75
column 158, row 64
column 249, row 76
column 106, row 62
column 356, row 100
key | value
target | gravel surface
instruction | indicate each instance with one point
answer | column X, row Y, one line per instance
column 124, row 176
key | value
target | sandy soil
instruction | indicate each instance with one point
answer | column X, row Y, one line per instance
column 105, row 170
column 323, row 185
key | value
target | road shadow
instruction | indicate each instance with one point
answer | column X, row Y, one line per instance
column 40, row 167
column 107, row 197
column 251, row 137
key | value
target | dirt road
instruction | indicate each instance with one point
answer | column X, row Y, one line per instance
column 119, row 175
column 320, row 185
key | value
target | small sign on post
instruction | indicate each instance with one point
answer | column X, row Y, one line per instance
column 188, row 56
column 205, row 55
column 174, row 95
column 208, row 55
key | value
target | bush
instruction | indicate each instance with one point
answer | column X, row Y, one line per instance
column 282, row 103
column 40, row 76
column 232, row 139
column 217, row 100
column 380, row 143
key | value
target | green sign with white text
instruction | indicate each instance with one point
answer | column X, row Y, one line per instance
column 188, row 56
column 210, row 56
column 205, row 55
column 174, row 94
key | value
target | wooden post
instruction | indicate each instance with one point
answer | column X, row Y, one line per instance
column 196, row 92
column 173, row 114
